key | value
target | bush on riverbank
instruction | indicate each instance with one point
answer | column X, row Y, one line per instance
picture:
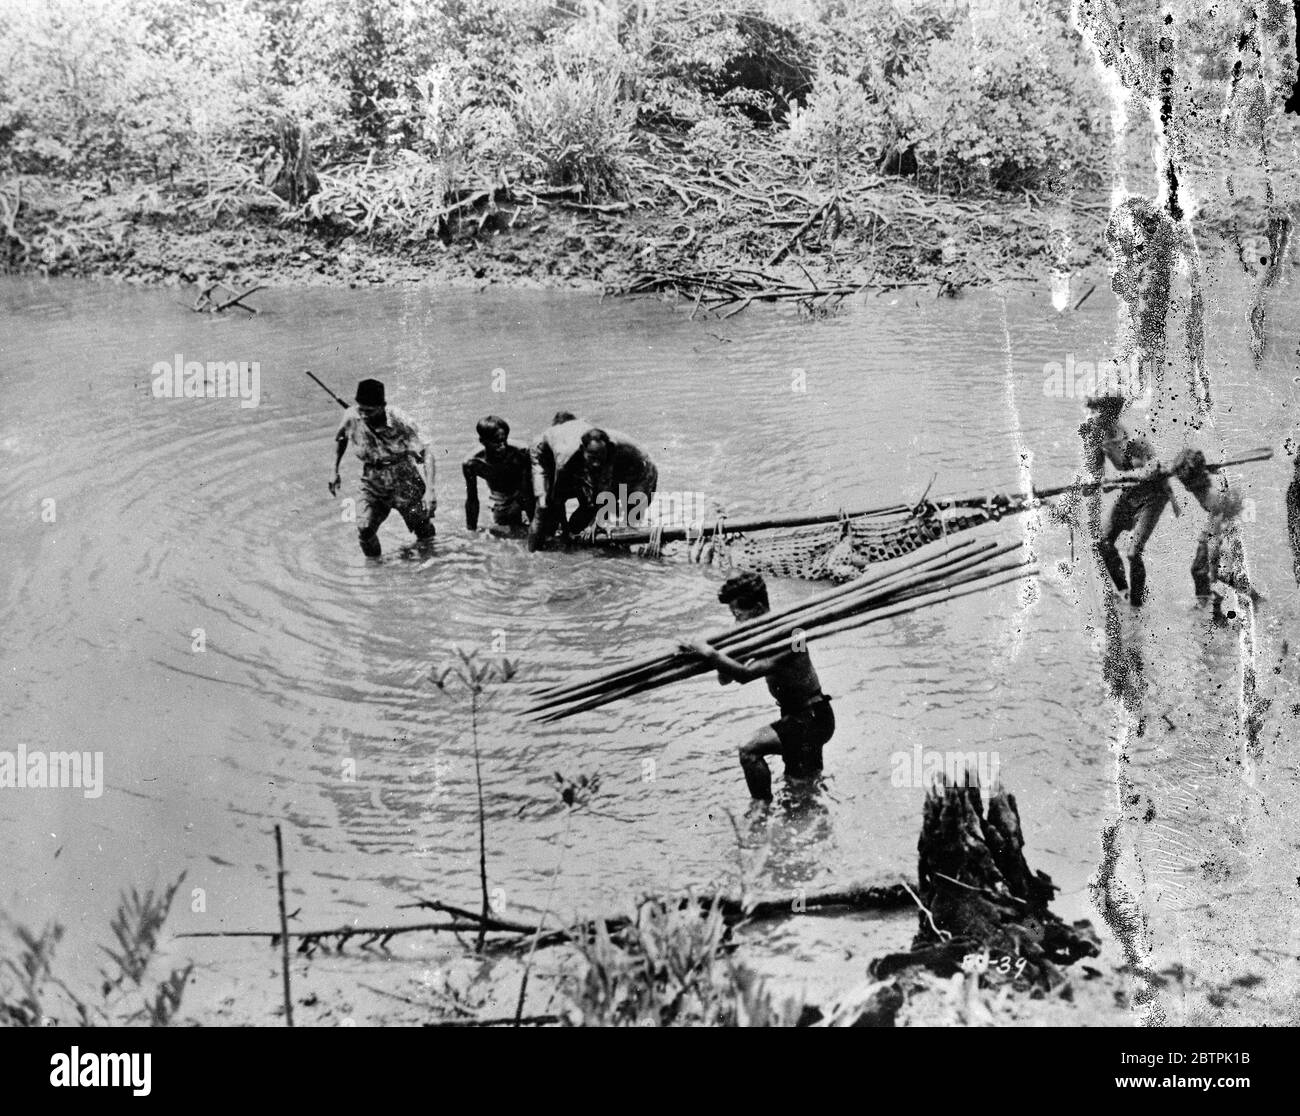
column 445, row 96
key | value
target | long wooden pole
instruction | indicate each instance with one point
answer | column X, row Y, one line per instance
column 781, row 627
column 622, row 537
column 884, row 573
column 677, row 668
column 920, row 562
column 757, row 523
column 964, row 587
column 284, row 928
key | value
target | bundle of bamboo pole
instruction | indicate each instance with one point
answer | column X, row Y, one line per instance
column 939, row 572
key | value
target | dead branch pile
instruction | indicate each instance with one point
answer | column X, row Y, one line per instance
column 861, row 236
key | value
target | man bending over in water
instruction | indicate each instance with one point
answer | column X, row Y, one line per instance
column 615, row 480
column 552, row 456
column 806, row 721
column 508, row 473
column 1138, row 507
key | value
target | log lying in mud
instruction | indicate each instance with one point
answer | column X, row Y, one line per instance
column 513, row 934
column 981, row 898
column 854, row 897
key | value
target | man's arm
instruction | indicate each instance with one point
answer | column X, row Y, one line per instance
column 729, row 669
column 471, row 495
column 523, row 481
column 581, row 518
column 538, row 454
column 419, row 447
column 430, row 479
column 340, row 448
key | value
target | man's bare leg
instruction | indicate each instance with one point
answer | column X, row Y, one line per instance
column 1112, row 527
column 368, row 529
column 1143, row 527
column 765, row 742
column 1201, row 579
column 419, row 524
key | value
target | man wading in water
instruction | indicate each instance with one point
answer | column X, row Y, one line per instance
column 806, row 722
column 390, row 447
column 1223, row 506
column 616, row 481
column 1138, row 507
column 549, row 457
column 509, row 475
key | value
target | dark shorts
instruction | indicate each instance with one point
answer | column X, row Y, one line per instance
column 510, row 513
column 802, row 735
column 398, row 488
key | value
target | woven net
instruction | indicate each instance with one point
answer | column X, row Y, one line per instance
column 839, row 551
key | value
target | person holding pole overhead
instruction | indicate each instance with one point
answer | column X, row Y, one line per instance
column 397, row 466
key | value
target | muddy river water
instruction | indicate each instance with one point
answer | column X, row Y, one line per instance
column 182, row 595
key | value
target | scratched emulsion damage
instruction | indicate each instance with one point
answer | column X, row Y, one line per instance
column 1127, row 920
column 1293, row 507
column 1152, row 245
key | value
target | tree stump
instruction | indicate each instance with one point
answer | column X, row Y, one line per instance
column 296, row 180
column 981, row 898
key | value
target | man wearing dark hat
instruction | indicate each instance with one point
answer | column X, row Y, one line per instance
column 397, row 468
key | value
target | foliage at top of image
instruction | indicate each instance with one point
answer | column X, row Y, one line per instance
column 410, row 106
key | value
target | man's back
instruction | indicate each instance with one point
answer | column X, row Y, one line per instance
column 793, row 681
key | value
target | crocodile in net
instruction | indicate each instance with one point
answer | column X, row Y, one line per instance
column 839, row 551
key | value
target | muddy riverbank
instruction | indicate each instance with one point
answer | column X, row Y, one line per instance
column 753, row 211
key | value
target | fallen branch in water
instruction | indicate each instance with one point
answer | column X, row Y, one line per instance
column 310, row 940
column 733, row 911
column 284, row 927
column 238, row 300
column 205, row 303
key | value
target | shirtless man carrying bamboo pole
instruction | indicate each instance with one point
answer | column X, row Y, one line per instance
column 806, row 722
column 1138, row 508
column 1223, row 505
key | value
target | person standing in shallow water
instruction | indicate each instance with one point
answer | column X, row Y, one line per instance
column 616, row 480
column 508, row 471
column 397, row 469
column 1138, row 507
column 552, row 457
column 806, row 722
column 1220, row 538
